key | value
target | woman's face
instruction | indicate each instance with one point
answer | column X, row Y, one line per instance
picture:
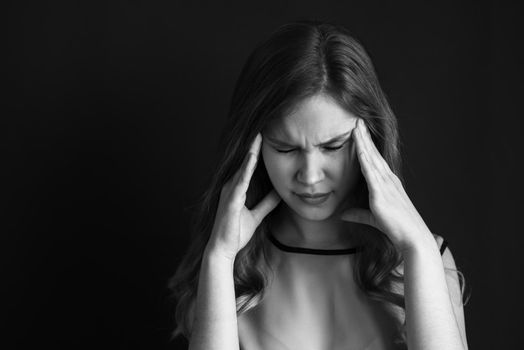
column 312, row 163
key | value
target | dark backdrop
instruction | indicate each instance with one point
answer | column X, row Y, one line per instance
column 111, row 120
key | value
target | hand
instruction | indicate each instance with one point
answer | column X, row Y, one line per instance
column 234, row 223
column 391, row 210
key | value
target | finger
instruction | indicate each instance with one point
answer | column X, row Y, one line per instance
column 250, row 164
column 268, row 203
column 374, row 155
column 256, row 144
column 369, row 146
column 385, row 171
column 235, row 181
column 240, row 171
column 236, row 178
column 368, row 169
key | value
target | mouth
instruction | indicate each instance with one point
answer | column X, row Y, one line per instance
column 313, row 198
column 313, row 195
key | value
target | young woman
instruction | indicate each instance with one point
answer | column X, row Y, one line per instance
column 306, row 238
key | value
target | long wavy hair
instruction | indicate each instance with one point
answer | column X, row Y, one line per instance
column 299, row 60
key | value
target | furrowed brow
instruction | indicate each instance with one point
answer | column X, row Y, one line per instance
column 332, row 140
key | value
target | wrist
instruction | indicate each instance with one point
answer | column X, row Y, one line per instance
column 217, row 255
column 423, row 240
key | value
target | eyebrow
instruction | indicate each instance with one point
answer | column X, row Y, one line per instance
column 331, row 140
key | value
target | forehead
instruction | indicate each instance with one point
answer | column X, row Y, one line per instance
column 316, row 119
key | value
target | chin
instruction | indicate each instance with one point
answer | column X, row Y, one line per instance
column 316, row 216
column 311, row 213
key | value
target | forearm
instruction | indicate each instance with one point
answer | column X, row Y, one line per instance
column 430, row 320
column 215, row 325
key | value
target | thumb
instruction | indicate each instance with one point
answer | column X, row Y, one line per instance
column 268, row 203
column 358, row 215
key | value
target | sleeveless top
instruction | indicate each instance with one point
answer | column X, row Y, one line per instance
column 318, row 310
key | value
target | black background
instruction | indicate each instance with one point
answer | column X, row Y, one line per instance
column 109, row 128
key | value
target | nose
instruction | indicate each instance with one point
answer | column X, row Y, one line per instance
column 311, row 170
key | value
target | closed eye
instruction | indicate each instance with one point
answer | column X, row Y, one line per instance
column 334, row 148
column 329, row 149
column 284, row 151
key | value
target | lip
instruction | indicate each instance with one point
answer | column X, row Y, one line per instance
column 313, row 195
column 317, row 198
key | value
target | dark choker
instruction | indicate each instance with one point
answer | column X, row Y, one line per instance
column 301, row 250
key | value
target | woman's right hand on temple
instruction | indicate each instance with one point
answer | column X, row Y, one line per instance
column 234, row 223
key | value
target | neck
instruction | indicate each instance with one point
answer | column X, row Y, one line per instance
column 293, row 230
